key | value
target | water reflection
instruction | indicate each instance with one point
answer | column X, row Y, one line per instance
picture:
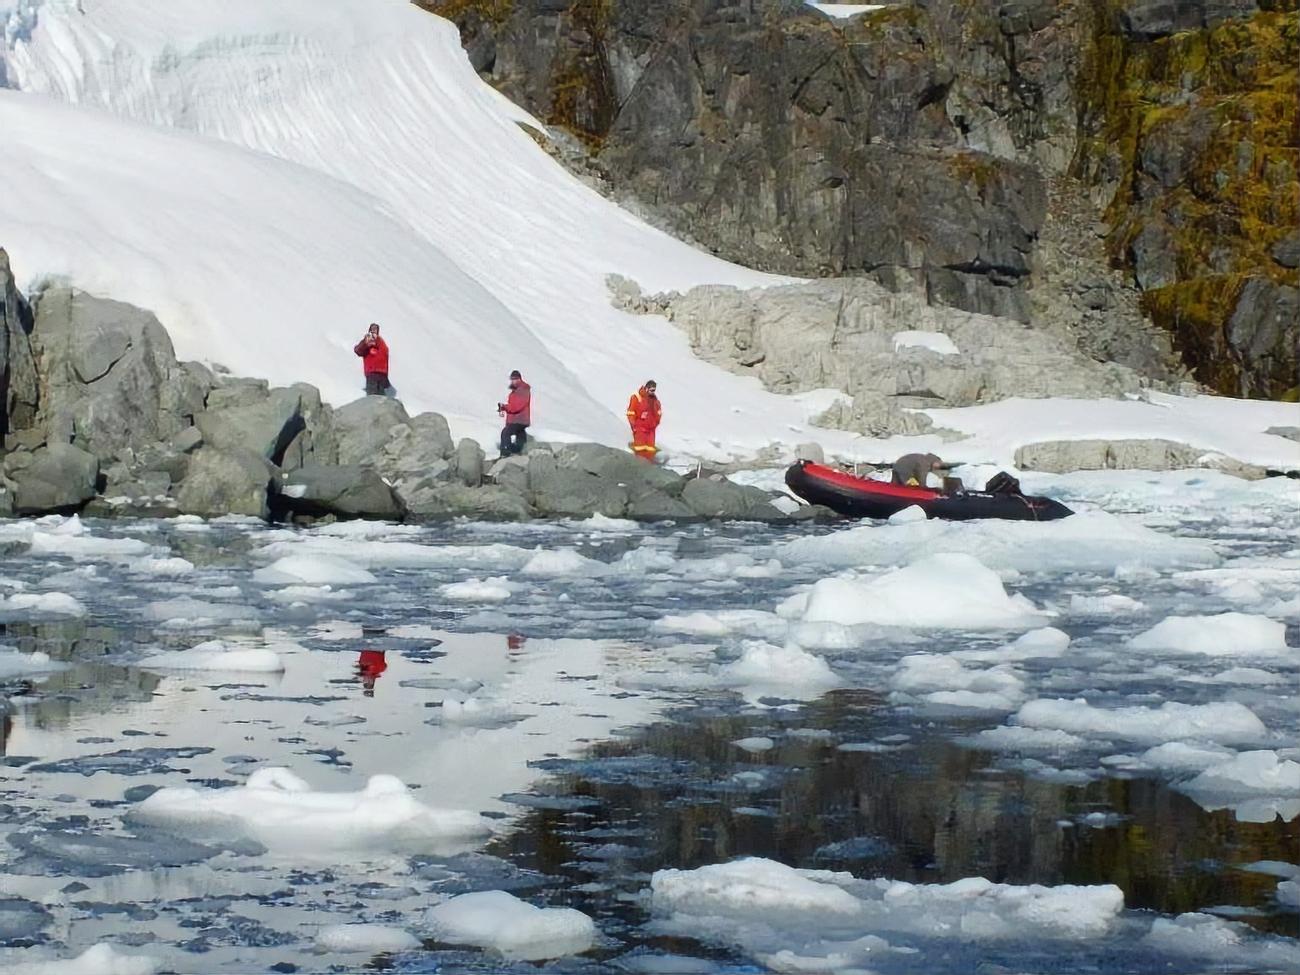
column 683, row 795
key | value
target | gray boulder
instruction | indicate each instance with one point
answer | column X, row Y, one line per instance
column 1063, row 456
column 111, row 376
column 657, row 506
column 1264, row 337
column 268, row 427
column 56, row 478
column 719, row 498
column 574, row 493
column 346, row 492
column 1287, row 250
column 619, row 466
column 439, row 502
column 365, row 426
column 230, row 481
column 468, row 463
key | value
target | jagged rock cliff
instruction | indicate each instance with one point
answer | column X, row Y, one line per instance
column 920, row 145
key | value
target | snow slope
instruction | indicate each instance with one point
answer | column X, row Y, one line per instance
column 270, row 177
column 299, row 169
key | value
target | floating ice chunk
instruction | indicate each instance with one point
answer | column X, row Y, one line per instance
column 82, row 545
column 474, row 712
column 1178, row 756
column 948, row 590
column 1111, row 604
column 562, row 562
column 1242, row 675
column 1248, row 773
column 185, row 612
column 943, row 680
column 751, row 622
column 310, row 594
column 832, row 920
column 765, row 670
column 217, row 655
column 169, row 568
column 358, row 550
column 757, row 744
column 494, row 589
column 1288, row 894
column 760, row 889
column 1227, row 722
column 369, row 938
column 101, row 959
column 1010, row 738
column 603, row 523
column 1208, row 939
column 1224, row 635
column 283, row 813
column 501, row 922
column 42, row 604
column 935, row 342
column 16, row 664
column 1092, row 541
column 314, row 569
column 1046, row 642
column 913, row 512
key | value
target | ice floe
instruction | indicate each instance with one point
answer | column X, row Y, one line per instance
column 948, row 590
column 315, row 569
column 1224, row 635
column 281, row 811
column 367, row 938
column 217, row 655
column 501, row 922
column 1225, row 722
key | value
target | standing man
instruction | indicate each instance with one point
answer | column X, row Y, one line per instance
column 518, row 412
column 643, row 414
column 374, row 361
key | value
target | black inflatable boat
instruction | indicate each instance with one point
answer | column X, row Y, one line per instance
column 863, row 497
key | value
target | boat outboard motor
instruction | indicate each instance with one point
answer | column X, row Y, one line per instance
column 1003, row 483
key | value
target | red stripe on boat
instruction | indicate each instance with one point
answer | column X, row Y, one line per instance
column 869, row 485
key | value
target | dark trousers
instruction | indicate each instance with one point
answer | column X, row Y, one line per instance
column 376, row 383
column 513, row 438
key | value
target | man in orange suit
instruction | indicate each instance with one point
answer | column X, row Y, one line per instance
column 643, row 414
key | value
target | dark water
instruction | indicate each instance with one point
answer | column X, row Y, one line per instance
column 902, row 801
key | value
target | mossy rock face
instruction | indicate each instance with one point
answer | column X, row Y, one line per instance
column 1197, row 133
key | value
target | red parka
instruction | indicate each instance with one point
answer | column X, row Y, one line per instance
column 374, row 358
column 644, row 412
column 519, row 404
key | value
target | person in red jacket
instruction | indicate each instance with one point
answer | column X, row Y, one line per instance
column 643, row 414
column 374, row 361
column 369, row 667
column 518, row 411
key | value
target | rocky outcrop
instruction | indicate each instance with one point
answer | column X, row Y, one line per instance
column 890, row 352
column 232, row 481
column 1190, row 118
column 18, row 384
column 920, row 145
column 58, row 478
column 109, row 376
column 772, row 134
column 1063, row 456
column 346, row 492
column 109, row 422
